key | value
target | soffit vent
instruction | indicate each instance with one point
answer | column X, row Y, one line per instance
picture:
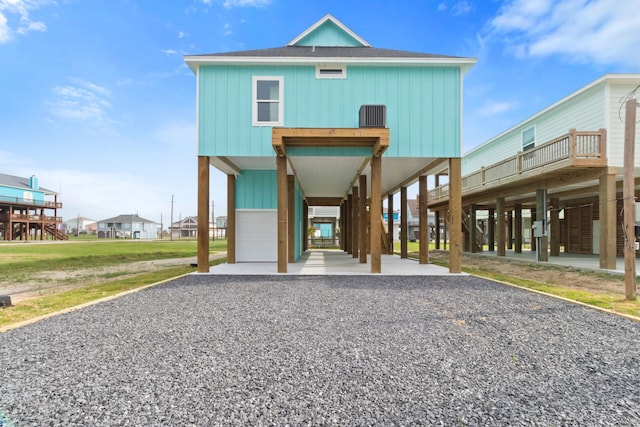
column 373, row 116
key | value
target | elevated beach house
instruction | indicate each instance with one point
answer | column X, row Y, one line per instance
column 28, row 211
column 563, row 167
column 326, row 120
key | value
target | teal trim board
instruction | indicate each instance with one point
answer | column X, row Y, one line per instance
column 257, row 189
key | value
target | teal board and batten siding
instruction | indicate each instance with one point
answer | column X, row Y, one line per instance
column 258, row 190
column 585, row 112
column 328, row 34
column 21, row 195
column 423, row 107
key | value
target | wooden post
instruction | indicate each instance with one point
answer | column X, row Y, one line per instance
column 473, row 229
column 607, row 209
column 376, row 212
column 424, row 220
column 390, row 223
column 437, row 215
column 355, row 222
column 203, row 214
column 347, row 235
column 628, row 196
column 518, row 228
column 500, row 224
column 231, row 219
column 510, row 229
column 455, row 212
column 305, row 227
column 362, row 227
column 281, row 162
column 554, row 232
column 541, row 215
column 291, row 218
column 403, row 223
column 492, row 229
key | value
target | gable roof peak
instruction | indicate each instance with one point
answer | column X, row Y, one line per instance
column 329, row 18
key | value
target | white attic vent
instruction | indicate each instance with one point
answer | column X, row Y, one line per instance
column 331, row 71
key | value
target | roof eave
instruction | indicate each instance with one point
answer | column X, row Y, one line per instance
column 195, row 61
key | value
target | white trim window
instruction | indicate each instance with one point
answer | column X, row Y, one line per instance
column 528, row 138
column 331, row 71
column 268, row 102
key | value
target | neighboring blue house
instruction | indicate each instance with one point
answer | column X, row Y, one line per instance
column 128, row 227
column 28, row 211
column 322, row 121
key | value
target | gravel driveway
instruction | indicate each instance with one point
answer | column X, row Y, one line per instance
column 333, row 350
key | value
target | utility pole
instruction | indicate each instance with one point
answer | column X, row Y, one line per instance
column 213, row 224
column 78, row 226
column 160, row 225
column 629, row 199
column 171, row 224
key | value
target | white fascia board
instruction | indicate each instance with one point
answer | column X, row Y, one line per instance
column 194, row 62
column 328, row 17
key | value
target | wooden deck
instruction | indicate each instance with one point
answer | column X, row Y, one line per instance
column 574, row 156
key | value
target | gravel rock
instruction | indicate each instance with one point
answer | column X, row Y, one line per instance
column 332, row 350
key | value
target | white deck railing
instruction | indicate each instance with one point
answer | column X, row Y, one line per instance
column 584, row 148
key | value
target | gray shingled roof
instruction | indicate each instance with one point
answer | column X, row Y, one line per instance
column 20, row 182
column 325, row 52
column 126, row 219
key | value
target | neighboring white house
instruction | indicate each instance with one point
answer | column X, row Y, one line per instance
column 128, row 227
column 80, row 224
column 566, row 160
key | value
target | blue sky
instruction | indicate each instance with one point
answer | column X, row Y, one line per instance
column 95, row 98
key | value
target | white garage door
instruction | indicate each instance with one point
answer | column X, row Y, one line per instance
column 256, row 235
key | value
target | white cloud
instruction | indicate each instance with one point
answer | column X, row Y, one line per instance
column 460, row 8
column 5, row 31
column 493, row 108
column 244, row 3
column 169, row 51
column 20, row 9
column 442, row 7
column 227, row 30
column 84, row 102
column 182, row 34
column 599, row 31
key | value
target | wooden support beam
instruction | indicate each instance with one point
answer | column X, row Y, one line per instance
column 231, row 219
column 423, row 220
column 554, row 227
column 355, row 221
column 510, row 229
column 437, row 229
column 305, row 226
column 362, row 227
column 455, row 213
column 281, row 163
column 348, row 240
column 492, row 229
column 390, row 223
column 533, row 219
column 628, row 196
column 607, row 209
column 291, row 218
column 376, row 213
column 404, row 233
column 500, row 226
column 473, row 229
column 203, row 214
column 518, row 228
column 541, row 215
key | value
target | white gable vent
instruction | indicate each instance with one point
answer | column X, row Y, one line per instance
column 373, row 116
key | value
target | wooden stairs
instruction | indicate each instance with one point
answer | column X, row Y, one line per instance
column 52, row 231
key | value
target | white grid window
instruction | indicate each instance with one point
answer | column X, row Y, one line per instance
column 268, row 106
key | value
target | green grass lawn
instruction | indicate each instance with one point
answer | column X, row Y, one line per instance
column 19, row 260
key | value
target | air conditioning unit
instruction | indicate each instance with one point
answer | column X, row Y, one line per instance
column 373, row 116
